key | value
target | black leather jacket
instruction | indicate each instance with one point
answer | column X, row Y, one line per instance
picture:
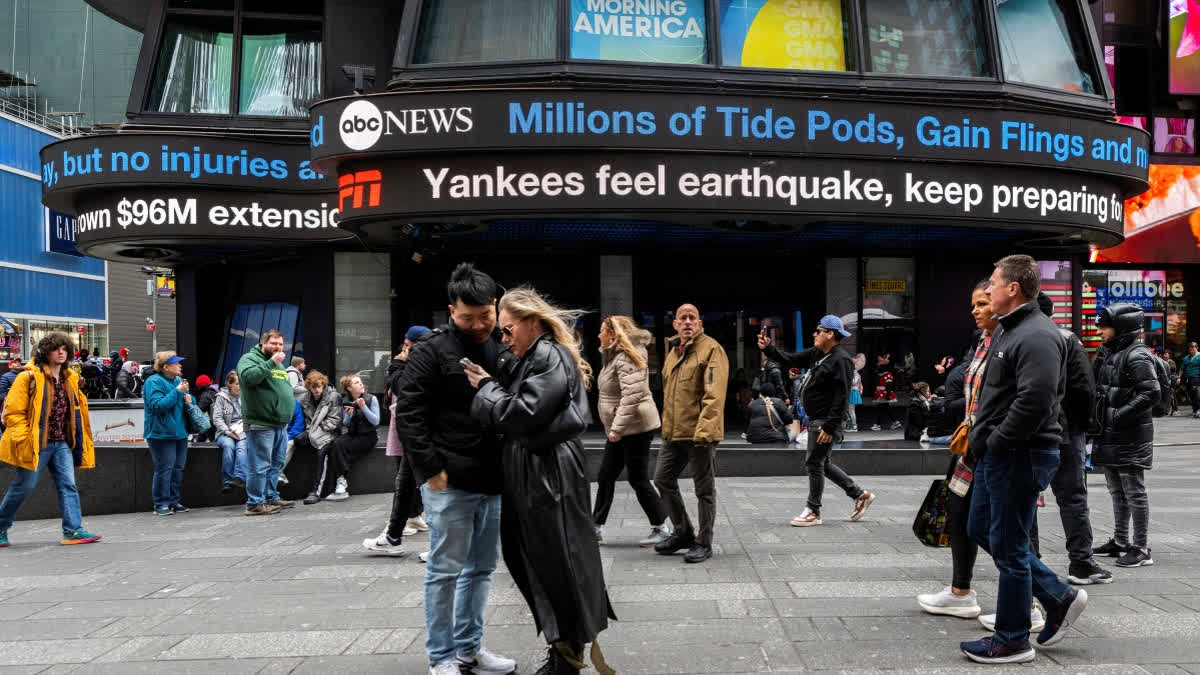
column 433, row 412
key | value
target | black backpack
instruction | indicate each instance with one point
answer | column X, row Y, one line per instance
column 1162, row 407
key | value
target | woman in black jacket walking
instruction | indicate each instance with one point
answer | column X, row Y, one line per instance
column 1126, row 391
column 546, row 521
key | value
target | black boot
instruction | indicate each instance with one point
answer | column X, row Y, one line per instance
column 557, row 663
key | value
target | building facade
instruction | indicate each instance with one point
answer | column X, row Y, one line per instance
column 321, row 166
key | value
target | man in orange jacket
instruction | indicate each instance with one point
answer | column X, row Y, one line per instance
column 47, row 427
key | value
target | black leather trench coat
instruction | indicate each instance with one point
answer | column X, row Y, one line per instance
column 546, row 523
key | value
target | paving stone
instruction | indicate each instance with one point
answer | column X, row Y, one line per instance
column 37, row 629
column 268, row 644
column 106, row 608
column 12, row 610
column 28, row 652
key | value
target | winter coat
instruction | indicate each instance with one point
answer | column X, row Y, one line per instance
column 267, row 399
column 769, row 382
column 1126, row 391
column 163, row 407
column 226, row 411
column 323, row 417
column 1080, row 400
column 296, row 426
column 25, row 427
column 954, row 404
column 694, row 386
column 6, row 381
column 433, row 412
column 296, row 379
column 919, row 413
column 1019, row 405
column 125, row 384
column 626, row 406
column 206, row 397
column 827, row 390
column 768, row 421
column 546, row 524
column 95, row 383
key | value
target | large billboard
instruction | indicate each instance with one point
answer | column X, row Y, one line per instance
column 1162, row 225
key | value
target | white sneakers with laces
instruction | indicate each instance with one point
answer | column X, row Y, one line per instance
column 946, row 602
column 382, row 544
column 1036, row 620
column 447, row 667
column 341, row 492
column 484, row 662
column 807, row 519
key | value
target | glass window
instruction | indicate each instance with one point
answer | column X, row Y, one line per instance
column 194, row 67
column 281, row 71
column 888, row 289
column 465, row 31
column 841, row 296
column 1043, row 42
column 930, row 37
column 362, row 317
column 671, row 31
column 812, row 35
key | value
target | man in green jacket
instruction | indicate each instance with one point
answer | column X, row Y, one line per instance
column 267, row 407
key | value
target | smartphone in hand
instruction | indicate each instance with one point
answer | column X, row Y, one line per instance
column 467, row 364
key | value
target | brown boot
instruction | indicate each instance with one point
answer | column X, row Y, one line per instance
column 263, row 510
column 283, row 503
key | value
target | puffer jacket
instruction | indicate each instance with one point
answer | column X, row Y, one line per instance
column 768, row 420
column 322, row 417
column 694, row 387
column 1126, row 391
column 626, row 406
column 226, row 411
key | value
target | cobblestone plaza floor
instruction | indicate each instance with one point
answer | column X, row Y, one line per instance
column 213, row 591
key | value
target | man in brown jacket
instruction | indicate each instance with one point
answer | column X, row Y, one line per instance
column 695, row 377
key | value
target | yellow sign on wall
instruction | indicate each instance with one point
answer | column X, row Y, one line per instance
column 886, row 285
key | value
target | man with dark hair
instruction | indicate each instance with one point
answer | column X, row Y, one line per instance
column 295, row 375
column 1070, row 481
column 694, row 373
column 267, row 409
column 825, row 393
column 48, row 429
column 458, row 461
column 1015, row 437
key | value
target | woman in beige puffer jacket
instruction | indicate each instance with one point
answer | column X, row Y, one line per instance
column 630, row 419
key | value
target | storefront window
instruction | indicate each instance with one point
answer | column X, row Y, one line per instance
column 652, row 32
column 94, row 337
column 466, row 31
column 888, row 289
column 1160, row 293
column 362, row 318
column 932, row 37
column 194, row 66
column 281, row 71
column 1043, row 42
column 812, row 35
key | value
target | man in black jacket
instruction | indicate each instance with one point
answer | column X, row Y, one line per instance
column 1070, row 481
column 825, row 393
column 458, row 460
column 1016, row 437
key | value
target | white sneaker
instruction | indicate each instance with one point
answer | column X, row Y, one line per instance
column 382, row 544
column 447, row 667
column 423, row 556
column 409, row 531
column 418, row 523
column 282, row 480
column 341, row 492
column 599, row 533
column 946, row 602
column 807, row 519
column 1036, row 621
column 657, row 536
column 924, row 437
column 486, row 663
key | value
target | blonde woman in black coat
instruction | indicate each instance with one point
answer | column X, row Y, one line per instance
column 546, row 523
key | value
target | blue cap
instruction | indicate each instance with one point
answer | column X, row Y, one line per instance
column 174, row 359
column 831, row 322
column 416, row 333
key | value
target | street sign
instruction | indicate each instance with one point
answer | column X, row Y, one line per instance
column 82, row 330
column 150, row 326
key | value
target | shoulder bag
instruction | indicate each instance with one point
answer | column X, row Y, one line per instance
column 958, row 440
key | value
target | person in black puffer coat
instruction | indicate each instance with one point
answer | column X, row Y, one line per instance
column 1126, row 391
column 769, row 421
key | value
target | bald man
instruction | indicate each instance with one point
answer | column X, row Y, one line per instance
column 695, row 375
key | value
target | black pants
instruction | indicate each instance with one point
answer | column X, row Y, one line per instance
column 884, row 415
column 820, row 465
column 633, row 454
column 321, row 467
column 406, row 499
column 1070, row 491
column 1193, row 389
column 347, row 449
column 963, row 549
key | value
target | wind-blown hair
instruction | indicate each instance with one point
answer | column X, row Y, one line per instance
column 622, row 328
column 471, row 286
column 525, row 302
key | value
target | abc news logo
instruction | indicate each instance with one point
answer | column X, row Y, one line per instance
column 362, row 123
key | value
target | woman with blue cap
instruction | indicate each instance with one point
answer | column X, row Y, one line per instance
column 164, row 396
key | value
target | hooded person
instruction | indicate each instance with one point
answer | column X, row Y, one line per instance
column 1126, row 391
column 126, row 382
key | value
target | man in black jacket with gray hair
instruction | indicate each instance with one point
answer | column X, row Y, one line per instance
column 1016, row 436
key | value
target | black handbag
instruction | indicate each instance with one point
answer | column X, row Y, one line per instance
column 932, row 524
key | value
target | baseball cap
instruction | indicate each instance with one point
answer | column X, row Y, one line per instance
column 833, row 323
column 174, row 359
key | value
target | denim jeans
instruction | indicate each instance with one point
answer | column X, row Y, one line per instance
column 170, row 456
column 940, row 440
column 233, row 458
column 265, row 452
column 464, row 548
column 59, row 459
column 1003, row 506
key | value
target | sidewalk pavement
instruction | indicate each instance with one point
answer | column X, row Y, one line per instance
column 212, row 590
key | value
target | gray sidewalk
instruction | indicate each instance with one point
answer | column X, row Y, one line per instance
column 213, row 591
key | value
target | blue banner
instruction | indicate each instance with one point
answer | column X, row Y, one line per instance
column 60, row 233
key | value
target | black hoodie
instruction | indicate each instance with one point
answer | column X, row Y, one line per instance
column 1024, row 385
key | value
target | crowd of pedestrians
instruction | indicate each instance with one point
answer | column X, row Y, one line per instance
column 486, row 415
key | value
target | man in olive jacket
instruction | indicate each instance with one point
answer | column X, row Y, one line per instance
column 695, row 378
column 267, row 408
